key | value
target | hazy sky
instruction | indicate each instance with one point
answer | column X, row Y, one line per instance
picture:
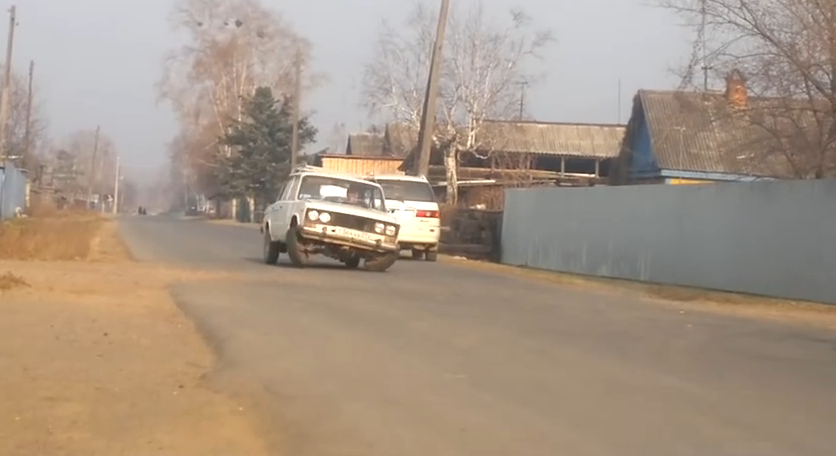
column 97, row 61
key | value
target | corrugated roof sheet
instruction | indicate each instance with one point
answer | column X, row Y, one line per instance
column 560, row 139
column 365, row 145
column 702, row 132
column 547, row 138
column 400, row 139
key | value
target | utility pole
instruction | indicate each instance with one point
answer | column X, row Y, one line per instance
column 619, row 101
column 523, row 86
column 7, row 82
column 297, row 94
column 116, row 186
column 27, row 135
column 421, row 165
column 704, row 66
column 101, row 173
column 93, row 166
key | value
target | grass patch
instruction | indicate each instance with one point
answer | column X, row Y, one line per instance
column 9, row 281
column 68, row 236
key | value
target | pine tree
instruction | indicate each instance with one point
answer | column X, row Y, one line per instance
column 261, row 144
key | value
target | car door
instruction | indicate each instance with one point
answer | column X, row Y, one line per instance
column 284, row 207
column 272, row 212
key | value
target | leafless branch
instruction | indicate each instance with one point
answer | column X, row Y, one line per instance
column 233, row 47
column 787, row 50
column 483, row 61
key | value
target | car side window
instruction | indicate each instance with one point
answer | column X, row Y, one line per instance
column 280, row 195
column 288, row 190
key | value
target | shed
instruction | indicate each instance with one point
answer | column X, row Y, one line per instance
column 364, row 145
column 358, row 165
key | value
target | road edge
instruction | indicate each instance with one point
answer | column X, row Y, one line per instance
column 694, row 298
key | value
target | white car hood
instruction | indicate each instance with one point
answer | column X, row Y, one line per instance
column 327, row 206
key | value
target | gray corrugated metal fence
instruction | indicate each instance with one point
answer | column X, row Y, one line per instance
column 772, row 238
column 12, row 190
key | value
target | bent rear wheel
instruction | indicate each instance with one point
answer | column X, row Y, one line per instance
column 381, row 262
column 353, row 262
column 295, row 250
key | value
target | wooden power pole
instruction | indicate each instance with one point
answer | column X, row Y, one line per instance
column 27, row 135
column 7, row 82
column 116, row 183
column 425, row 133
column 93, row 166
column 523, row 86
column 297, row 94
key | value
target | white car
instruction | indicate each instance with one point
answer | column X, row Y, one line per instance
column 412, row 201
column 342, row 217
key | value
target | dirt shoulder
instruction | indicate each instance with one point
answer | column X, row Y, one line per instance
column 96, row 359
column 684, row 298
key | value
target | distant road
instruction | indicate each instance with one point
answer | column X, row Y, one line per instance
column 436, row 359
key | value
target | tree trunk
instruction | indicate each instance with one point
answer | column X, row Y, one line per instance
column 234, row 208
column 251, row 206
column 451, row 171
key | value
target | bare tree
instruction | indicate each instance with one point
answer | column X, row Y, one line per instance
column 233, row 47
column 16, row 128
column 97, row 169
column 337, row 138
column 483, row 62
column 785, row 49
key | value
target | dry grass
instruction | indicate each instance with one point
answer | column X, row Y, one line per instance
column 96, row 358
column 58, row 237
column 9, row 281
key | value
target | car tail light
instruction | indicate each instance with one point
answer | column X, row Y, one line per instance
column 426, row 214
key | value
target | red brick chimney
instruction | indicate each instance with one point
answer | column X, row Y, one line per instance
column 736, row 93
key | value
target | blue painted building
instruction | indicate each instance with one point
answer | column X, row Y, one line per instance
column 676, row 137
column 13, row 183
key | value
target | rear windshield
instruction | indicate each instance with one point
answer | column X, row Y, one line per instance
column 401, row 190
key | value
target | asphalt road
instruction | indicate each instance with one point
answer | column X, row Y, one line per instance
column 439, row 359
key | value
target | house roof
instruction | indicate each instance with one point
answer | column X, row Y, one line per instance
column 702, row 132
column 560, row 139
column 364, row 144
column 400, row 139
column 358, row 157
column 553, row 138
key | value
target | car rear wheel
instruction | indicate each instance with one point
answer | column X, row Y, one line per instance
column 431, row 255
column 353, row 262
column 295, row 250
column 381, row 262
column 271, row 249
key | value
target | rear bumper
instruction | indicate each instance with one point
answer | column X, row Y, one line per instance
column 324, row 234
column 419, row 236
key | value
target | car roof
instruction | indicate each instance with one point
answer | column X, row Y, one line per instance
column 336, row 176
column 402, row 177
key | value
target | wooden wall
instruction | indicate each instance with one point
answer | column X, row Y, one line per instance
column 359, row 165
